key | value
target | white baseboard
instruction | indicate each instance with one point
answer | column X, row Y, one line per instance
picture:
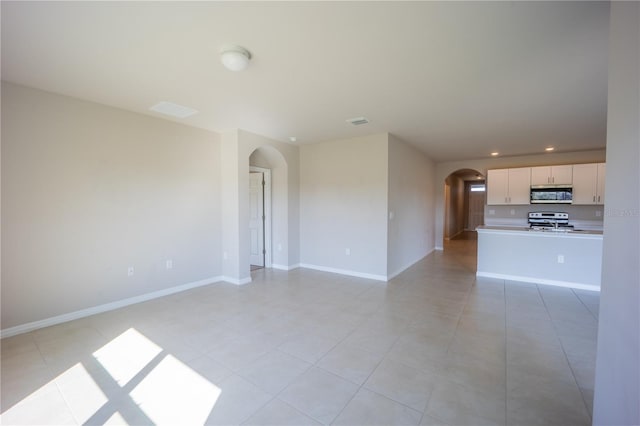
column 407, row 266
column 451, row 237
column 59, row 319
column 285, row 267
column 439, row 248
column 568, row 284
column 236, row 281
column 344, row 272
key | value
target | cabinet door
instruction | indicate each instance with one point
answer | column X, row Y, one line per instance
column 540, row 175
column 602, row 168
column 562, row 175
column 520, row 185
column 585, row 179
column 497, row 185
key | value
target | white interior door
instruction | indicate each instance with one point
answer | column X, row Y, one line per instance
column 256, row 219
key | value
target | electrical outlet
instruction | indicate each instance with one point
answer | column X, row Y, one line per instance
column 513, row 212
column 492, row 212
column 169, row 264
column 130, row 271
column 598, row 213
column 391, row 215
column 279, row 247
column 561, row 258
column 347, row 251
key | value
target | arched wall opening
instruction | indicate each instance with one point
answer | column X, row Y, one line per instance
column 269, row 162
column 464, row 200
column 237, row 147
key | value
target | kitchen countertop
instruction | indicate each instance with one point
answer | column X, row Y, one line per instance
column 525, row 230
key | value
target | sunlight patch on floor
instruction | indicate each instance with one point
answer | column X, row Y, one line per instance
column 160, row 387
column 126, row 355
column 174, row 394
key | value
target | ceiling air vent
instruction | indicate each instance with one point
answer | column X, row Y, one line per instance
column 358, row 121
column 174, row 110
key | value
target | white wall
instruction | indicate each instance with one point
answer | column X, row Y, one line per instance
column 412, row 202
column 343, row 205
column 617, row 384
column 444, row 169
column 89, row 190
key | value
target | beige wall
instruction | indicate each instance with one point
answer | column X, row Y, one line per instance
column 411, row 206
column 88, row 191
column 343, row 205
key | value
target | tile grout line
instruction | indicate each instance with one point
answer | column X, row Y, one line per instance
column 584, row 304
column 311, row 366
column 575, row 379
column 62, row 395
column 506, row 360
column 451, row 340
column 365, row 380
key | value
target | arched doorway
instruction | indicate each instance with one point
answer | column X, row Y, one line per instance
column 464, row 200
column 268, row 204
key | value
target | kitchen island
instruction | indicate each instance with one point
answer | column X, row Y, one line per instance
column 566, row 258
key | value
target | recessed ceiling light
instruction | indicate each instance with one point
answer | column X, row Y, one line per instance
column 357, row 121
column 495, row 154
column 174, row 110
column 549, row 148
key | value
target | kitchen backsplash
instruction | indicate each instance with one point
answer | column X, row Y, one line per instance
column 590, row 217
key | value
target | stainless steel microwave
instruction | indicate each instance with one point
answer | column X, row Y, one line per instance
column 547, row 194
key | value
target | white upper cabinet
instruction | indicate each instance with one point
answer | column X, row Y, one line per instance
column 497, row 186
column 508, row 186
column 588, row 183
column 552, row 175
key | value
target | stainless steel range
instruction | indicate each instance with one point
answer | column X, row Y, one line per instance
column 547, row 220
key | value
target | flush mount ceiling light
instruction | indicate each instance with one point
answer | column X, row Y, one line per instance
column 235, row 58
column 495, row 154
column 549, row 148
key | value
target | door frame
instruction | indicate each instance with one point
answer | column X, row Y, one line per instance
column 266, row 173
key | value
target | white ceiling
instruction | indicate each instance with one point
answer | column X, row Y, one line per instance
column 458, row 79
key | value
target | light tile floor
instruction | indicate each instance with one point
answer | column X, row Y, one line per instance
column 434, row 346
